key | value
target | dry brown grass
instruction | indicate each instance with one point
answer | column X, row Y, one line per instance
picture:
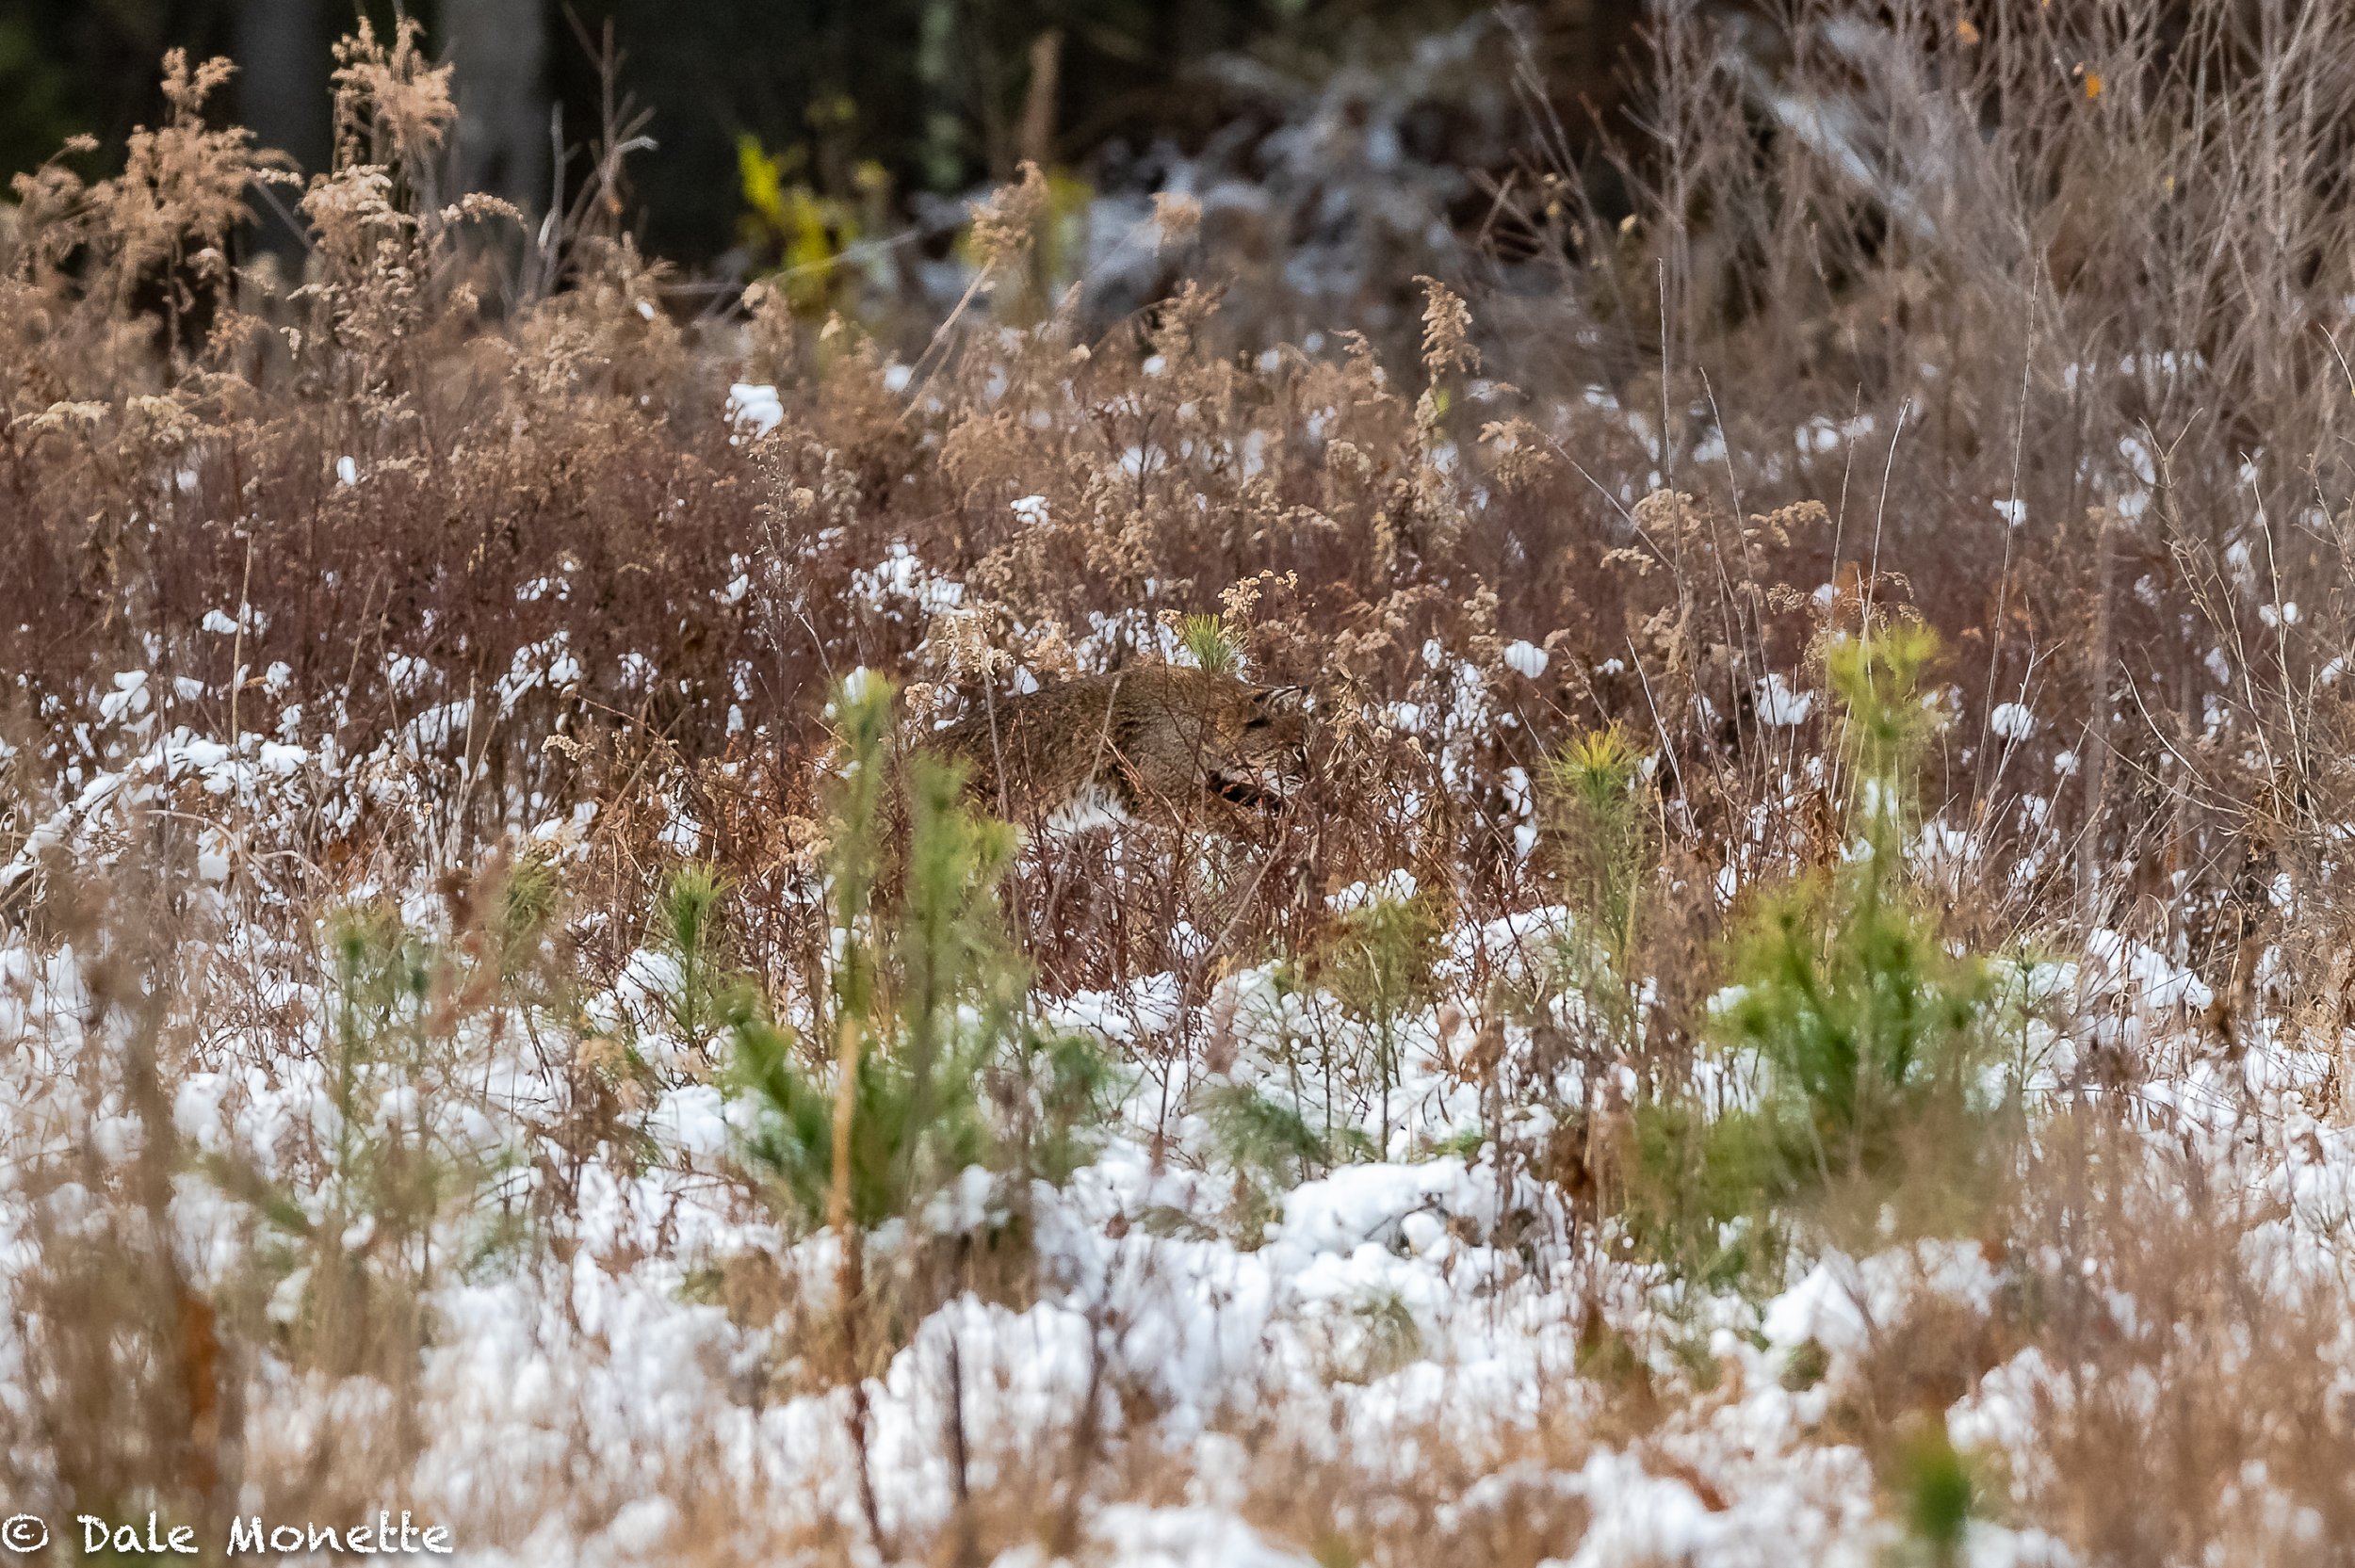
column 404, row 481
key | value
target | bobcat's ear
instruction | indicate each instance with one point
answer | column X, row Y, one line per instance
column 1271, row 697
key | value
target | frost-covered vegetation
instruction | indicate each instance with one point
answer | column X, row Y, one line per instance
column 1801, row 1016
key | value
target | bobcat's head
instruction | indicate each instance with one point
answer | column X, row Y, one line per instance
column 1257, row 757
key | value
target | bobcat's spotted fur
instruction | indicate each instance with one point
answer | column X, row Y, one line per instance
column 1176, row 747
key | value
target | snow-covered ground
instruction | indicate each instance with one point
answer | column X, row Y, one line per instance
column 1407, row 1343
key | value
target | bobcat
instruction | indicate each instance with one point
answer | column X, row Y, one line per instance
column 1182, row 748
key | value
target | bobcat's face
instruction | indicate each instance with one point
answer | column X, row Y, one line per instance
column 1258, row 760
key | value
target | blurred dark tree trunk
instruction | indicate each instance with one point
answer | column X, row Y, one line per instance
column 282, row 50
column 500, row 48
